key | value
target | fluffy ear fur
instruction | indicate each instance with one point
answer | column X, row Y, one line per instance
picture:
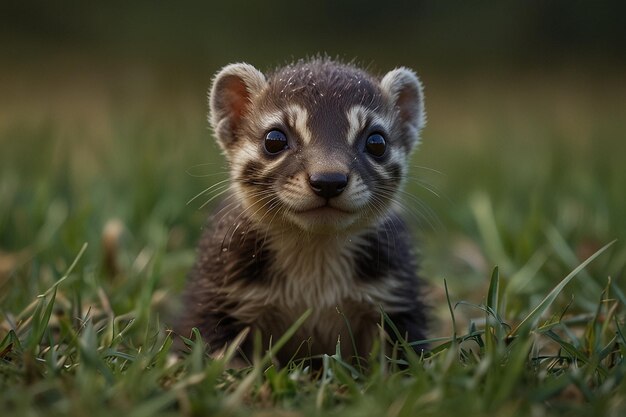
column 405, row 91
column 231, row 93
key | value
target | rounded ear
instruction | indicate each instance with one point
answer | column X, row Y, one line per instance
column 232, row 91
column 405, row 91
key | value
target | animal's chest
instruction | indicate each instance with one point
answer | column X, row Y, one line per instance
column 305, row 275
column 313, row 279
column 320, row 278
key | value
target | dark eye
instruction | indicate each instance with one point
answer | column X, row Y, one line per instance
column 376, row 145
column 275, row 141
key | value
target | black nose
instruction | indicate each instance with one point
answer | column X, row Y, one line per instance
column 328, row 184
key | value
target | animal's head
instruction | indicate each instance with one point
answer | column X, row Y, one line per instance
column 317, row 144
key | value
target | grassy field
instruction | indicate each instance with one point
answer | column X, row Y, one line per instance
column 523, row 172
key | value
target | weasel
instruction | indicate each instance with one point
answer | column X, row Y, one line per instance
column 318, row 152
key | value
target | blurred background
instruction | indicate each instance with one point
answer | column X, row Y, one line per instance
column 104, row 139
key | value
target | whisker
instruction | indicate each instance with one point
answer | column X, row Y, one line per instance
column 378, row 205
column 218, row 194
column 206, row 190
column 236, row 224
column 420, row 182
column 428, row 187
column 260, row 221
column 424, row 213
column 425, row 168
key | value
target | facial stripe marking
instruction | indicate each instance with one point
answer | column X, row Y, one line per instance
column 271, row 120
column 252, row 173
column 395, row 172
column 359, row 117
column 295, row 116
column 298, row 118
column 250, row 152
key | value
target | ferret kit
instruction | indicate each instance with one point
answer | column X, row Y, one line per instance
column 318, row 152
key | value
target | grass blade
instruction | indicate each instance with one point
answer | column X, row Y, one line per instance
column 532, row 318
column 41, row 320
column 491, row 329
column 494, row 287
column 235, row 398
column 445, row 285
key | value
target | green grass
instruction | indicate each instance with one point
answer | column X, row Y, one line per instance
column 526, row 287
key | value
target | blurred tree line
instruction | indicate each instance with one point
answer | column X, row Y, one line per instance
column 443, row 35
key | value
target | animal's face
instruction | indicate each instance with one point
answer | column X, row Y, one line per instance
column 319, row 145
